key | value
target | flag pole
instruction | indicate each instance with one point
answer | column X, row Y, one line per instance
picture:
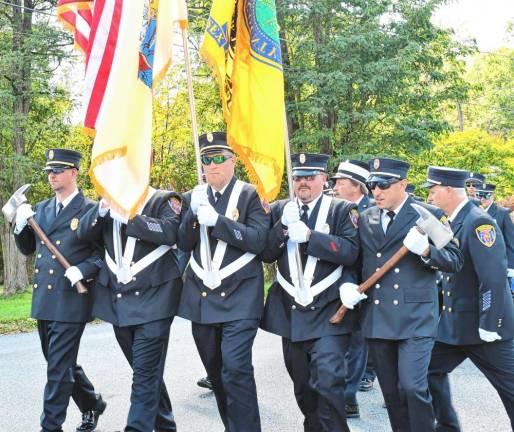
column 211, row 278
column 304, row 293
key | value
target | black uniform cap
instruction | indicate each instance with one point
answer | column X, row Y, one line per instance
column 445, row 177
column 62, row 158
column 307, row 164
column 381, row 168
column 214, row 142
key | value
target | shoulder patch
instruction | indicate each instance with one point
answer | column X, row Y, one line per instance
column 265, row 206
column 175, row 204
column 486, row 234
column 354, row 217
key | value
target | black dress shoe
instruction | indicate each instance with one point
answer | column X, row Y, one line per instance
column 365, row 385
column 352, row 411
column 90, row 418
column 205, row 383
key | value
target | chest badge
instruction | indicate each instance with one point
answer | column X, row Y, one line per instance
column 235, row 215
column 74, row 224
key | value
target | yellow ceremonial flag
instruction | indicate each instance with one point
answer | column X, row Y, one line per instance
column 245, row 56
column 137, row 38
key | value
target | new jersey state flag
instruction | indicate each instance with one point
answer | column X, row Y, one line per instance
column 242, row 47
column 128, row 50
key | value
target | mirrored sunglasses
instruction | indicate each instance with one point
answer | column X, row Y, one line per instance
column 484, row 195
column 217, row 159
column 382, row 184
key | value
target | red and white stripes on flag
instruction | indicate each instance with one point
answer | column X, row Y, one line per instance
column 102, row 29
column 76, row 16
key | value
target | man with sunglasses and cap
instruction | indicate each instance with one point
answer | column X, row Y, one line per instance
column 474, row 180
column 400, row 315
column 325, row 230
column 477, row 317
column 486, row 194
column 225, row 304
column 138, row 291
column 350, row 184
column 61, row 312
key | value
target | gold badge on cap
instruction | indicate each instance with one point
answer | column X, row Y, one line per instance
column 302, row 158
column 235, row 215
column 376, row 163
column 210, row 137
column 51, row 154
column 74, row 224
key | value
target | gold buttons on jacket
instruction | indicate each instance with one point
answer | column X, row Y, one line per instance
column 449, row 309
column 396, row 286
column 53, row 256
column 293, row 307
column 204, row 294
column 377, row 285
column 42, row 242
column 379, row 254
column 136, row 293
column 397, row 270
column 395, row 302
column 49, row 286
column 448, row 293
column 35, row 285
column 119, row 295
column 58, row 242
column 444, row 307
column 222, row 294
column 36, row 270
column 51, row 271
column 377, row 301
column 39, row 255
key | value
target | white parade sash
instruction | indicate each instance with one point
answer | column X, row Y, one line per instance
column 221, row 246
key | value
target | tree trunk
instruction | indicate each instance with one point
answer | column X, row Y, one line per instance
column 15, row 264
column 15, row 270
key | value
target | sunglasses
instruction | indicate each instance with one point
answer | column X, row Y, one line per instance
column 217, row 159
column 471, row 184
column 382, row 184
column 484, row 195
column 56, row 170
column 304, row 178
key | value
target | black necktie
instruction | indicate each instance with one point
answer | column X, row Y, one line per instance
column 304, row 217
column 217, row 195
column 391, row 215
column 58, row 210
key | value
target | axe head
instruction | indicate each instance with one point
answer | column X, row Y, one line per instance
column 439, row 233
column 11, row 206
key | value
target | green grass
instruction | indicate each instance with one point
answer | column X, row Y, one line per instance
column 15, row 313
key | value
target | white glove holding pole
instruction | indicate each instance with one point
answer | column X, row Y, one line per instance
column 416, row 242
column 198, row 197
column 116, row 216
column 350, row 296
column 488, row 336
column 290, row 214
column 23, row 213
column 103, row 208
column 207, row 215
column 74, row 275
column 298, row 232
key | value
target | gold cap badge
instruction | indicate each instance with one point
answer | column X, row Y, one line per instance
column 302, row 158
column 376, row 163
column 51, row 154
column 210, row 137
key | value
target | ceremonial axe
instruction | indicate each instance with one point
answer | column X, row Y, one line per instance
column 9, row 211
column 427, row 223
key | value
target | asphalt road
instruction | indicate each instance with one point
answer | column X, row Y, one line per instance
column 22, row 378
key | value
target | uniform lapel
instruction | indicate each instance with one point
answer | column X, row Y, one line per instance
column 67, row 212
column 375, row 225
column 222, row 203
column 313, row 218
column 402, row 222
column 492, row 210
column 48, row 215
column 456, row 225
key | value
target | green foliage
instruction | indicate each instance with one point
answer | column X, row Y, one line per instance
column 473, row 150
column 491, row 106
column 367, row 77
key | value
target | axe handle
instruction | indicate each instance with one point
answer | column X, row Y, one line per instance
column 363, row 287
column 81, row 288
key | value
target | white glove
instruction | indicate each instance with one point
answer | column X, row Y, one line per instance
column 510, row 273
column 298, row 232
column 488, row 336
column 416, row 242
column 349, row 295
column 103, row 208
column 74, row 275
column 199, row 197
column 207, row 215
column 23, row 212
column 291, row 213
column 116, row 216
